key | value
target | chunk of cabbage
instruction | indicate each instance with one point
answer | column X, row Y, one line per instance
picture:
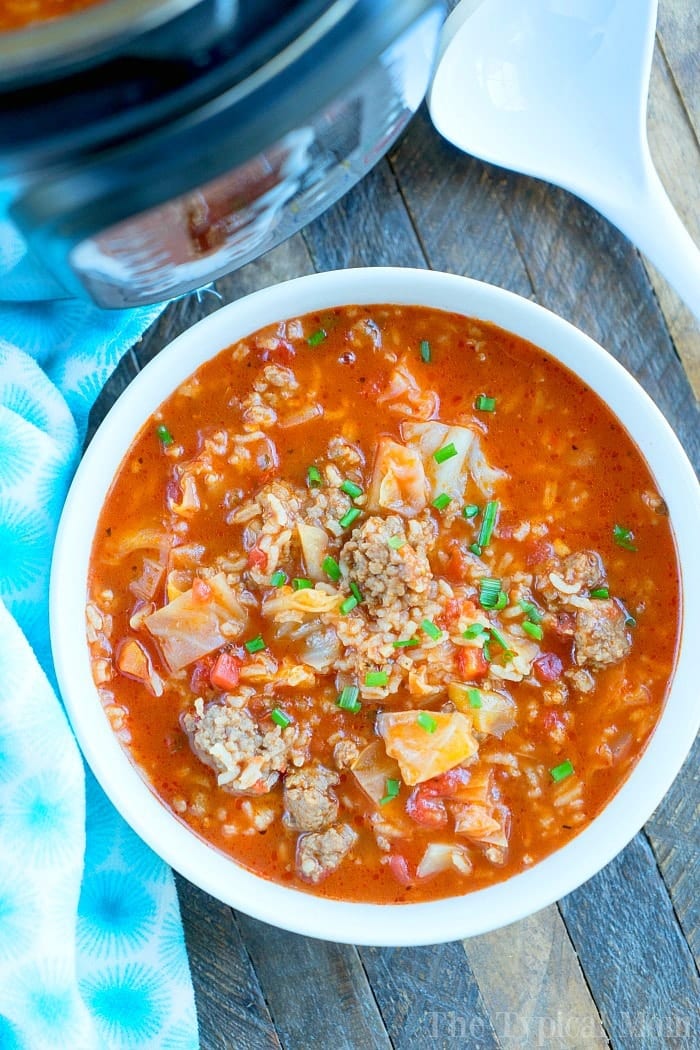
column 421, row 753
column 190, row 626
column 444, row 856
column 398, row 480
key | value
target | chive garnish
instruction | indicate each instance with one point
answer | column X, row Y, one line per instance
column 474, row 630
column 376, row 678
column 392, row 789
column 317, row 337
column 280, row 718
column 486, row 649
column 441, row 455
column 406, row 643
column 474, row 697
column 442, row 501
column 255, row 645
column 431, row 629
column 347, row 699
column 348, row 605
column 630, row 620
column 600, row 592
column 533, row 629
column 489, row 592
column 500, row 638
column 531, row 611
column 425, row 351
column 313, row 477
column 301, row 584
column 350, row 516
column 623, row 537
column 470, row 511
column 501, row 602
column 475, row 549
column 488, row 523
column 562, row 771
column 396, row 542
column 356, row 592
column 164, row 435
column 427, row 722
column 485, row 404
column 351, row 489
column 278, row 578
column 331, row 568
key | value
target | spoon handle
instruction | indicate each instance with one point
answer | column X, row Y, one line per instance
column 645, row 214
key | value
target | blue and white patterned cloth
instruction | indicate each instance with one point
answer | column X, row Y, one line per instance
column 91, row 946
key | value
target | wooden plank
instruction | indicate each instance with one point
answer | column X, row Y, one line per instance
column 118, row 382
column 638, row 965
column 674, row 834
column 678, row 30
column 367, row 227
column 289, row 259
column 533, row 987
column 231, row 1009
column 429, row 997
column 295, row 972
column 674, row 146
column 454, row 205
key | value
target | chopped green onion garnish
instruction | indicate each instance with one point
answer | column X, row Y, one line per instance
column 331, row 568
column 347, row 699
column 623, row 537
column 475, row 549
column 313, row 477
column 427, row 722
column 600, row 592
column 351, row 489
column 300, row 584
column 164, row 435
column 254, row 645
column 317, row 337
column 501, row 601
column 350, row 516
column 376, row 678
column 488, row 523
column 441, row 455
column 533, row 629
column 280, row 718
column 486, row 649
column 474, row 697
column 442, row 501
column 431, row 629
column 485, row 404
column 392, row 789
column 356, row 591
column 630, row 620
column 531, row 611
column 489, row 592
column 473, row 631
column 562, row 771
column 406, row 643
column 425, row 350
column 471, row 510
column 396, row 542
column 498, row 637
column 278, row 578
column 348, row 605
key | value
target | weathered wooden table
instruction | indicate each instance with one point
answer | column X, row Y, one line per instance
column 616, row 961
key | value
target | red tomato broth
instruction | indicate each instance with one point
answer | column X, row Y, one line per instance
column 573, row 471
column 17, row 14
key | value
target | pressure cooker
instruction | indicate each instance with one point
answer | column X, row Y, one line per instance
column 150, row 146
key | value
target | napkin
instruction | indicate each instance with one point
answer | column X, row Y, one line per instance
column 92, row 953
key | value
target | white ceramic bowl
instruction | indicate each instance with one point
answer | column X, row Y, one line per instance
column 406, row 924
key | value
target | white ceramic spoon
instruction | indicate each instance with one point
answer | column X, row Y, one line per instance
column 557, row 89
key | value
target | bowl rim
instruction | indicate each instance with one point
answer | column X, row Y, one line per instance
column 414, row 924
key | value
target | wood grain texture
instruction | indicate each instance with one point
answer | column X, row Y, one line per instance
column 232, row 1012
column 531, row 982
column 674, row 834
column 317, row 992
column 638, row 965
column 429, row 998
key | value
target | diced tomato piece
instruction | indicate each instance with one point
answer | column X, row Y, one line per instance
column 447, row 785
column 548, row 667
column 201, row 591
column 552, row 722
column 458, row 564
column 226, row 672
column 257, row 559
column 453, row 609
column 471, row 663
column 398, row 866
column 423, row 807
